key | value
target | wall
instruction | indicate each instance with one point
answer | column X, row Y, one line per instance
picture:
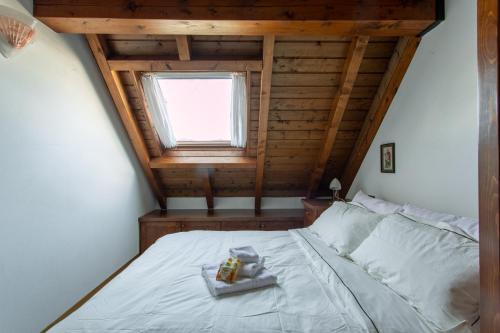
column 70, row 186
column 235, row 203
column 433, row 121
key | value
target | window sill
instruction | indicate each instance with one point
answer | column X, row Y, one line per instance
column 205, row 151
column 192, row 162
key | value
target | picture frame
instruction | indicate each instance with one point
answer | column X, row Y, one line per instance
column 388, row 158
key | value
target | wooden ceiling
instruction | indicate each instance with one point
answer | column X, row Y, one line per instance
column 321, row 76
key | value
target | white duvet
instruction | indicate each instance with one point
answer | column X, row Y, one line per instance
column 317, row 291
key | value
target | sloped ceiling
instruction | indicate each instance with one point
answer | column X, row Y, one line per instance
column 305, row 79
column 328, row 94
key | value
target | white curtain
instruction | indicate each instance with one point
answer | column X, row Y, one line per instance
column 238, row 111
column 158, row 110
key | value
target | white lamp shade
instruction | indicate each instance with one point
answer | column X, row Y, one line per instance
column 335, row 185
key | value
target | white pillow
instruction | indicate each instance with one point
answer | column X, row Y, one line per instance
column 377, row 205
column 435, row 270
column 344, row 226
column 469, row 225
column 423, row 214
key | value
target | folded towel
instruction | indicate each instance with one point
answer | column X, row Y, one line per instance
column 217, row 288
column 251, row 269
column 246, row 254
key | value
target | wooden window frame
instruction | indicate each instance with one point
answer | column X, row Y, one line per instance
column 224, row 148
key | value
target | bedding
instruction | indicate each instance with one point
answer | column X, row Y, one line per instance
column 344, row 226
column 376, row 205
column 467, row 225
column 317, row 291
column 435, row 270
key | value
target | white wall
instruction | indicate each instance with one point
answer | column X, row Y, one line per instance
column 433, row 121
column 70, row 186
column 235, row 203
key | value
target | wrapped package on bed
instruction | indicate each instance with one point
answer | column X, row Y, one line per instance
column 262, row 279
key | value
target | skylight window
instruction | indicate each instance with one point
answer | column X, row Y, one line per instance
column 198, row 108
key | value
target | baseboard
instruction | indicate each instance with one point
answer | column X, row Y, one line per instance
column 88, row 296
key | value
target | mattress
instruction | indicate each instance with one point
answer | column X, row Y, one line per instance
column 317, row 291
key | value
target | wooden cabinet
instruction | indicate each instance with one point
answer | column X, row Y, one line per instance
column 155, row 230
column 160, row 223
column 240, row 225
column 313, row 209
column 200, row 225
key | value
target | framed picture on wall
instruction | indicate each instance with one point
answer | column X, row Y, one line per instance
column 388, row 158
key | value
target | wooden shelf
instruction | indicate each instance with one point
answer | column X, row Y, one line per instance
column 194, row 162
column 232, row 215
column 158, row 223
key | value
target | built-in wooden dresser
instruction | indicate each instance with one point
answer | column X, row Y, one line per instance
column 313, row 209
column 160, row 223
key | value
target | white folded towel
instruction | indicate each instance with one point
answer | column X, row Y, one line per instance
column 217, row 288
column 251, row 269
column 246, row 254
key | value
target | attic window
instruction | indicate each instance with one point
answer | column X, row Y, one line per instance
column 198, row 108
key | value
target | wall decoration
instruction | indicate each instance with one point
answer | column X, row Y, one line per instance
column 16, row 31
column 388, row 158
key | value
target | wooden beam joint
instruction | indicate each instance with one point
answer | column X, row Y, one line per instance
column 398, row 65
column 350, row 72
column 207, row 188
column 120, row 100
column 265, row 94
column 184, row 47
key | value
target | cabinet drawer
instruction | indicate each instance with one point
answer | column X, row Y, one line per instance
column 200, row 225
column 151, row 231
column 281, row 225
column 240, row 225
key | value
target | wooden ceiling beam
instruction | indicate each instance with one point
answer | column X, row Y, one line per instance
column 265, row 97
column 398, row 65
column 157, row 145
column 352, row 64
column 119, row 97
column 207, row 188
column 317, row 17
column 178, row 65
column 183, row 47
column 203, row 162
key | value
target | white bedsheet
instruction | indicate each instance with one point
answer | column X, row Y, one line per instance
column 317, row 291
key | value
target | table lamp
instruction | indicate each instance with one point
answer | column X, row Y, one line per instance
column 335, row 186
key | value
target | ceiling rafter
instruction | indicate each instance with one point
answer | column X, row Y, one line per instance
column 156, row 143
column 265, row 97
column 154, row 65
column 398, row 65
column 183, row 47
column 353, row 61
column 207, row 188
column 319, row 17
column 119, row 97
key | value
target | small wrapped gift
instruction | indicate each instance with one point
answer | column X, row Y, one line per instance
column 228, row 270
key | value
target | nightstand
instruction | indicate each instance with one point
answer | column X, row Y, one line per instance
column 313, row 209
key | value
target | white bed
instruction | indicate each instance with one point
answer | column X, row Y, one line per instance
column 317, row 291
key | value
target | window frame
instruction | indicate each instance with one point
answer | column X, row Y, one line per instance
column 209, row 145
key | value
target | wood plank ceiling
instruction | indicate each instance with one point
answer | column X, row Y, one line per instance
column 316, row 102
